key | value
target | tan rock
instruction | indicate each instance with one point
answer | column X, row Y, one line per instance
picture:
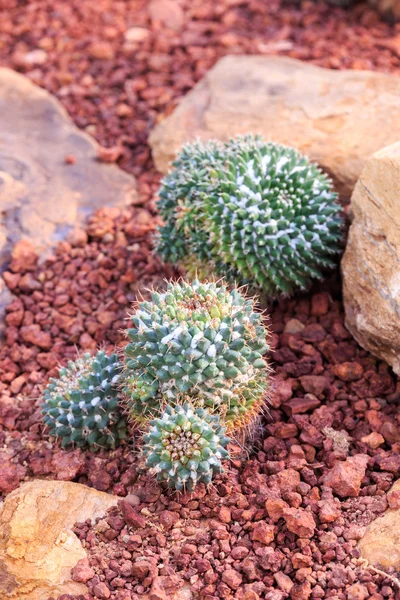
column 28, row 163
column 324, row 113
column 371, row 263
column 380, row 544
column 38, row 549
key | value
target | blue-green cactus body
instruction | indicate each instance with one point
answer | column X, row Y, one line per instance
column 197, row 342
column 185, row 447
column 264, row 215
column 81, row 406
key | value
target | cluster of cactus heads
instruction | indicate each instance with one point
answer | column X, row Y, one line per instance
column 193, row 371
column 185, row 446
column 201, row 342
column 81, row 407
column 261, row 215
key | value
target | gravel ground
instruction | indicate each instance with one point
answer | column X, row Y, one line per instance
column 285, row 522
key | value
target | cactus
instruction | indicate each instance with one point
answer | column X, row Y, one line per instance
column 197, row 342
column 185, row 447
column 81, row 406
column 257, row 213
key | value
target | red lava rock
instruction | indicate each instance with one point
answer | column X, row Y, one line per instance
column 314, row 384
column 101, row 591
column 281, row 391
column 301, row 592
column 358, row 591
column 390, row 432
column 288, row 480
column 300, row 561
column 82, row 571
column 262, row 532
column 132, row 518
column 319, row 304
column 348, row 371
column 299, row 522
column 232, row 578
column 168, row 519
column 297, row 406
column 389, row 463
column 34, row 335
column 70, row 159
column 10, row 474
column 275, row 508
column 239, row 552
column 23, row 257
column 67, row 465
column 283, row 582
column 140, row 569
column 328, row 511
column 346, row 476
column 164, row 587
column 286, row 431
column 313, row 333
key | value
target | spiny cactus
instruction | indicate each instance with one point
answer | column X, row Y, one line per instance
column 257, row 213
column 201, row 342
column 81, row 406
column 185, row 447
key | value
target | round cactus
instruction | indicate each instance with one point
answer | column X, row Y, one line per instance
column 81, row 406
column 201, row 342
column 185, row 447
column 264, row 215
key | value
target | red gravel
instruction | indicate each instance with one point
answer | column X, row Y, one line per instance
column 284, row 523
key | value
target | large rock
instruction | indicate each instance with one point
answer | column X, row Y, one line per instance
column 371, row 263
column 37, row 546
column 41, row 196
column 380, row 544
column 337, row 118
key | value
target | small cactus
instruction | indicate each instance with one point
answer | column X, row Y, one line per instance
column 257, row 213
column 197, row 342
column 185, row 447
column 81, row 406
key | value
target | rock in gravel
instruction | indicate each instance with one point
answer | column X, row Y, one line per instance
column 43, row 195
column 40, row 556
column 371, row 263
column 380, row 544
column 346, row 476
column 324, row 113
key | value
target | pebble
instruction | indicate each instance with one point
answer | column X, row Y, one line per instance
column 346, row 476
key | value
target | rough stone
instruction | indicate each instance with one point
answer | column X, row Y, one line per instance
column 43, row 196
column 324, row 113
column 371, row 263
column 38, row 549
column 346, row 476
column 380, row 544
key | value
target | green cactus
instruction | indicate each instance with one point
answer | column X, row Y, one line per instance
column 197, row 342
column 257, row 213
column 185, row 447
column 81, row 406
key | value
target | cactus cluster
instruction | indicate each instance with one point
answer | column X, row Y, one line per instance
column 185, row 446
column 81, row 407
column 193, row 371
column 260, row 214
column 201, row 342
